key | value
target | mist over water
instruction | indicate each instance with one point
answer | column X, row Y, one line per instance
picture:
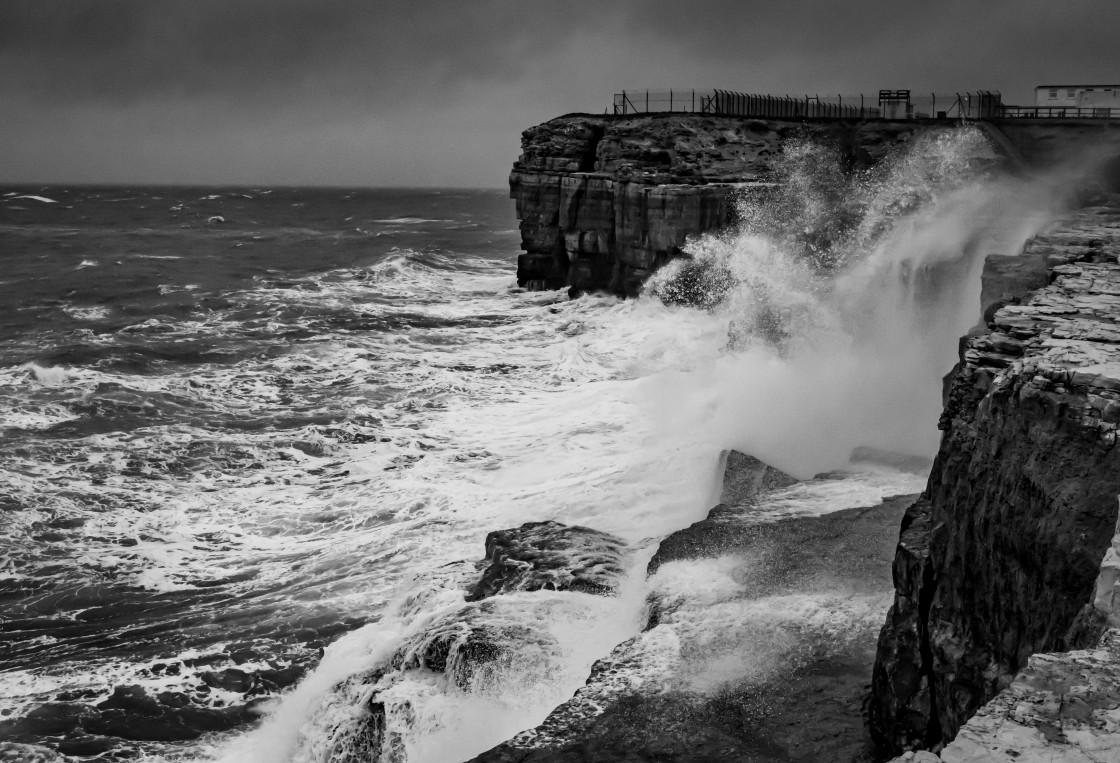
column 250, row 469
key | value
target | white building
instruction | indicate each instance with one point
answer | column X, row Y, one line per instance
column 1078, row 96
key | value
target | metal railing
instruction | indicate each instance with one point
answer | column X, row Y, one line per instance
column 889, row 104
column 733, row 103
column 1061, row 112
column 976, row 104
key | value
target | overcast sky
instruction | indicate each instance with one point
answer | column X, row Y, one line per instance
column 422, row 93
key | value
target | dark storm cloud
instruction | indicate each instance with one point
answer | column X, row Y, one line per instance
column 954, row 44
column 427, row 92
column 123, row 51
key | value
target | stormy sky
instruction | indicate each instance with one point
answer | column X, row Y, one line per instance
column 423, row 93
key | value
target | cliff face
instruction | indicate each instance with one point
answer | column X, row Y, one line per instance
column 1047, row 142
column 1001, row 556
column 605, row 201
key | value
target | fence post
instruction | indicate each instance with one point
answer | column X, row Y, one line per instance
column 694, row 101
column 647, row 101
column 670, row 99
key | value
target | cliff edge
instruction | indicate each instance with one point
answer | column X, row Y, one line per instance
column 1001, row 558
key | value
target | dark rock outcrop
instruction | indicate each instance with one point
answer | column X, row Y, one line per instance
column 604, row 201
column 746, row 479
column 1000, row 558
column 550, row 555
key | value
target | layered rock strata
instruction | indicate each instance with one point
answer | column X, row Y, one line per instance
column 1001, row 557
column 604, row 201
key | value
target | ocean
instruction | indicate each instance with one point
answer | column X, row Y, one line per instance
column 252, row 441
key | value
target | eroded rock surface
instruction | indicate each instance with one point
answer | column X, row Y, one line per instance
column 550, row 555
column 1062, row 707
column 1001, row 557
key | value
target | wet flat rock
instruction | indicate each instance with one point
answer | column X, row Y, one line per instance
column 759, row 645
column 745, row 479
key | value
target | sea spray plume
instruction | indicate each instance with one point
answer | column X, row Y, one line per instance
column 819, row 219
column 810, row 208
column 914, row 175
column 850, row 351
column 802, row 214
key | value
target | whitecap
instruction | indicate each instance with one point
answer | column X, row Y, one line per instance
column 92, row 313
column 43, row 199
column 408, row 221
column 50, row 376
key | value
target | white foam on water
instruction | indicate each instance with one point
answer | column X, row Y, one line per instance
column 408, row 221
column 53, row 376
column 43, row 199
column 91, row 313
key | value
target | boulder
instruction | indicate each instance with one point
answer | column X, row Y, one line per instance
column 550, row 555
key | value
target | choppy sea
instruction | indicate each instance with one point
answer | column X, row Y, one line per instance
column 248, row 434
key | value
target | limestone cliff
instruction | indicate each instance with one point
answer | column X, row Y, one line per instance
column 604, row 201
column 1000, row 559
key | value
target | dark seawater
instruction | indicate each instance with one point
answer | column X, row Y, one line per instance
column 159, row 370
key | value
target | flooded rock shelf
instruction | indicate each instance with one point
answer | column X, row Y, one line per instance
column 759, row 642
